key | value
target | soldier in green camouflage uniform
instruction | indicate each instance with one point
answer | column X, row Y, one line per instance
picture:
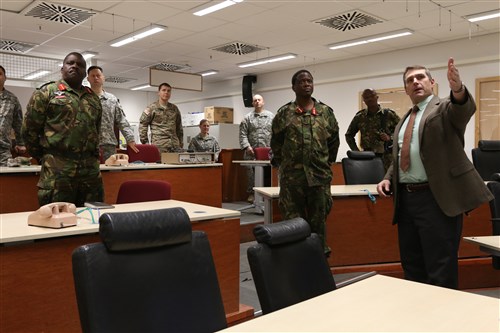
column 374, row 133
column 164, row 120
column 304, row 144
column 11, row 118
column 61, row 129
column 255, row 131
column 204, row 142
column 112, row 116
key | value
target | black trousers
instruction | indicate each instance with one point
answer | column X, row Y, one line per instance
column 428, row 239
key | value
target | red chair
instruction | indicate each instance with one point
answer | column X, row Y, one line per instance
column 146, row 154
column 143, row 190
column 262, row 153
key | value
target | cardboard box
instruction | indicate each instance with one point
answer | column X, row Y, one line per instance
column 217, row 114
column 187, row 158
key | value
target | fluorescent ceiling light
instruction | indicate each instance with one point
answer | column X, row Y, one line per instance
column 267, row 60
column 136, row 35
column 347, row 44
column 209, row 72
column 144, row 86
column 87, row 55
column 371, row 39
column 214, row 8
column 483, row 16
column 36, row 74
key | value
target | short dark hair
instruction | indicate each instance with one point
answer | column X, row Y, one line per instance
column 3, row 69
column 91, row 68
column 294, row 77
column 410, row 68
column 76, row 54
column 164, row 84
column 370, row 91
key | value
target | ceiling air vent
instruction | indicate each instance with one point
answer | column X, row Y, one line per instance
column 164, row 66
column 18, row 66
column 238, row 48
column 58, row 13
column 117, row 79
column 349, row 21
column 15, row 46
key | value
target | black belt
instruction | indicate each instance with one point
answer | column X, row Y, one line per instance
column 415, row 187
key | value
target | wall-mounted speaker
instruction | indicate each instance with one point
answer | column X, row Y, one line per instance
column 246, row 89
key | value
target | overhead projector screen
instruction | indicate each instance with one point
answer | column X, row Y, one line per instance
column 177, row 80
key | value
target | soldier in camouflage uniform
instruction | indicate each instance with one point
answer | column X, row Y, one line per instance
column 11, row 118
column 376, row 125
column 255, row 131
column 61, row 128
column 112, row 116
column 204, row 142
column 164, row 120
column 305, row 143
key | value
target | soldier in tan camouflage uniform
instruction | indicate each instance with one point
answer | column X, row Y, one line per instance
column 61, row 128
column 11, row 118
column 164, row 120
column 376, row 125
column 305, row 143
column 255, row 131
column 204, row 142
column 112, row 116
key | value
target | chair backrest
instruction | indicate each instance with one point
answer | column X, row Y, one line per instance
column 151, row 273
column 141, row 190
column 262, row 153
column 494, row 187
column 362, row 167
column 146, row 154
column 486, row 158
column 288, row 264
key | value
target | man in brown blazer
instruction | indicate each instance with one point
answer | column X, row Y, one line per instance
column 433, row 181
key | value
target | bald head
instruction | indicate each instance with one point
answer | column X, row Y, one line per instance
column 258, row 103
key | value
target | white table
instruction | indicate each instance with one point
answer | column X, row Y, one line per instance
column 383, row 304
column 103, row 167
column 270, row 193
column 259, row 167
column 488, row 244
column 14, row 226
column 36, row 273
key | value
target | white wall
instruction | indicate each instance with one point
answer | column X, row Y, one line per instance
column 336, row 83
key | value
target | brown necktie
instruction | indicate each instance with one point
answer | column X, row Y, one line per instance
column 405, row 148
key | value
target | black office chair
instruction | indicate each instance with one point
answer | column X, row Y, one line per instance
column 362, row 167
column 151, row 273
column 486, row 158
column 494, row 186
column 288, row 264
